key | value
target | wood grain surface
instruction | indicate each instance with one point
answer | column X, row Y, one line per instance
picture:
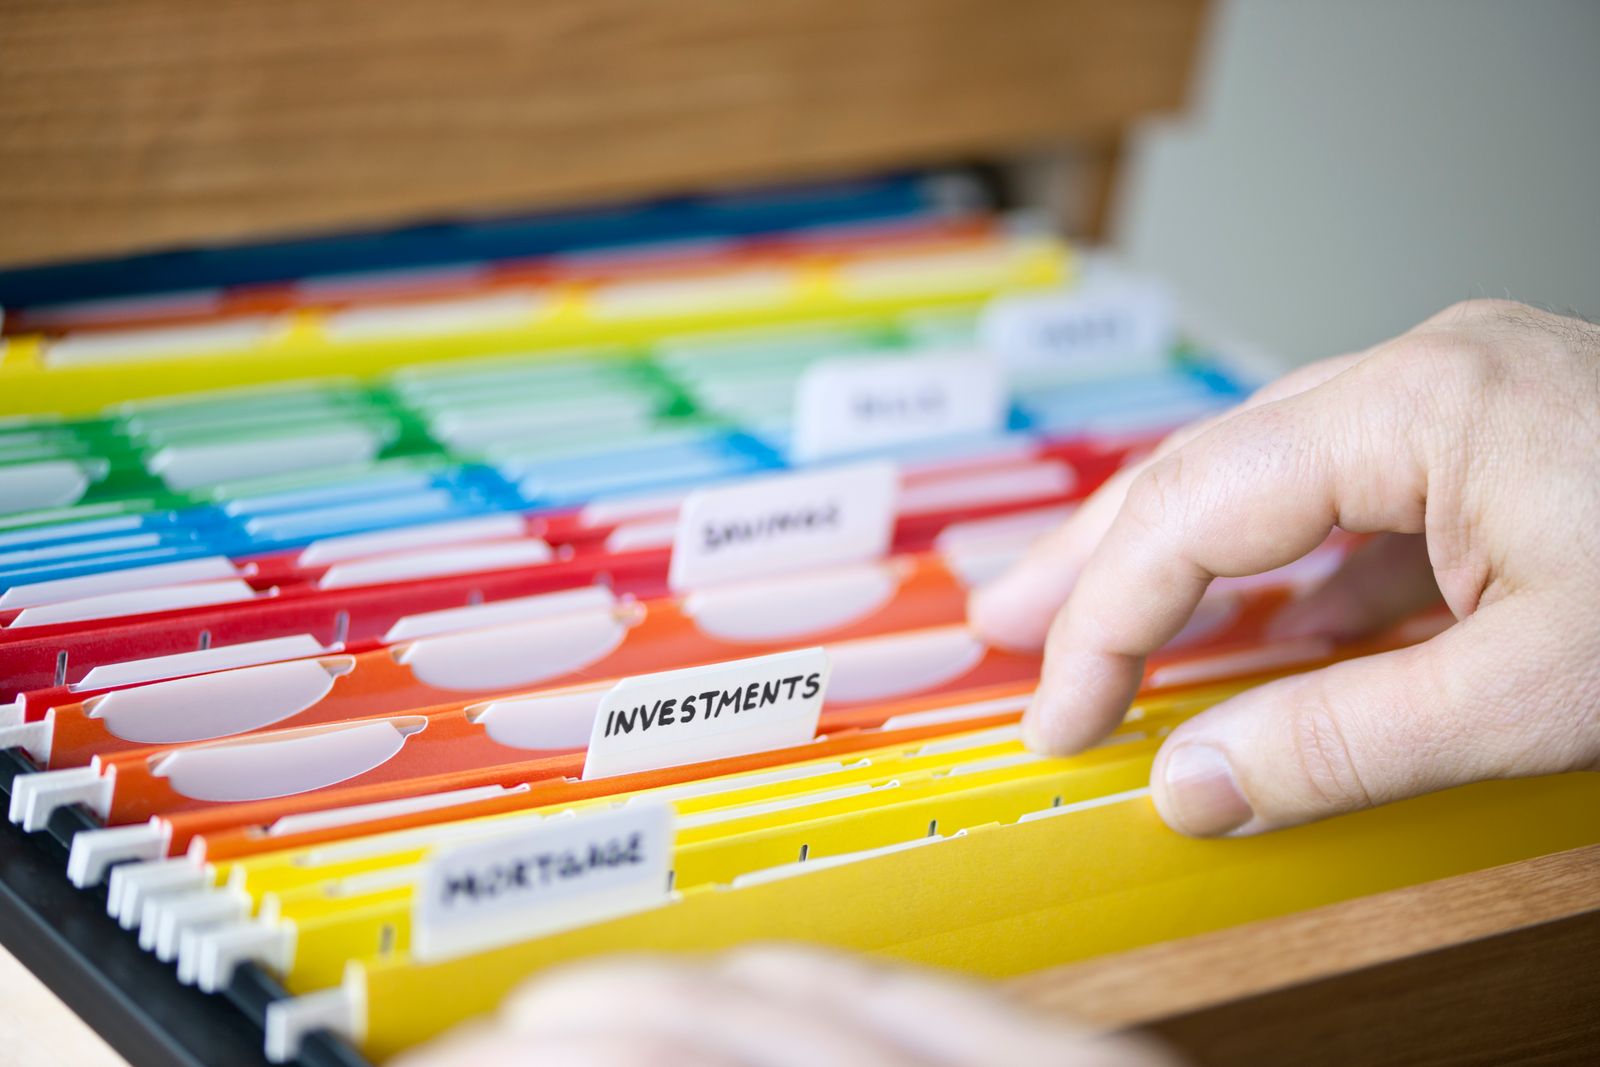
column 1492, row 967
column 135, row 124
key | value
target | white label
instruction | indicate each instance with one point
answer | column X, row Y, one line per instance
column 790, row 522
column 1115, row 321
column 554, row 875
column 705, row 713
column 845, row 407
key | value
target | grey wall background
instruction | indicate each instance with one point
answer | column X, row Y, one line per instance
column 1348, row 168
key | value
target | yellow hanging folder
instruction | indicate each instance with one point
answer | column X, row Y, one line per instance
column 38, row 375
column 998, row 900
column 317, row 907
column 315, row 930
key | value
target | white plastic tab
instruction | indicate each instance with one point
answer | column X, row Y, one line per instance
column 135, row 602
column 556, row 721
column 646, row 533
column 290, row 1021
column 793, row 606
column 703, row 713
column 192, row 911
column 99, row 546
column 522, row 654
column 490, row 311
column 195, row 466
column 434, row 562
column 94, row 851
column 276, row 765
column 90, row 585
column 34, row 797
column 552, row 875
column 509, row 420
column 34, row 738
column 203, row 661
column 1017, row 530
column 975, row 565
column 464, row 531
column 927, row 272
column 150, row 342
column 501, row 612
column 206, row 706
column 778, row 525
column 46, row 484
column 901, row 664
column 981, row 550
column 134, row 883
column 601, row 513
column 748, row 288
column 217, row 953
column 850, row 406
column 383, row 510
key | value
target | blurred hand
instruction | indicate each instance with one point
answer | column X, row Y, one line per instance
column 769, row 1007
column 1473, row 443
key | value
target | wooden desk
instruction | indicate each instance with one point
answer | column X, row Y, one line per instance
column 1493, row 967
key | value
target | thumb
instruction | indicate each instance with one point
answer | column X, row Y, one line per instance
column 1479, row 701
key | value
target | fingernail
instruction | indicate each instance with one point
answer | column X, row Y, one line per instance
column 1203, row 797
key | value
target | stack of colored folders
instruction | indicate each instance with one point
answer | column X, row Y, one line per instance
column 399, row 615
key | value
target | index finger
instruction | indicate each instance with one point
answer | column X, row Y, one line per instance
column 1253, row 492
column 1015, row 610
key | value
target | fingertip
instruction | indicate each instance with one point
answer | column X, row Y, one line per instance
column 1046, row 726
column 1196, row 790
column 1000, row 614
column 1081, row 698
column 1037, row 737
column 983, row 614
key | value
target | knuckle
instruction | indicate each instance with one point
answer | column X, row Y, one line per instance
column 1449, row 360
column 1325, row 761
column 1157, row 497
column 1478, row 308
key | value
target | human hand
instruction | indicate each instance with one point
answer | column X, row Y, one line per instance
column 1472, row 443
column 769, row 1007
